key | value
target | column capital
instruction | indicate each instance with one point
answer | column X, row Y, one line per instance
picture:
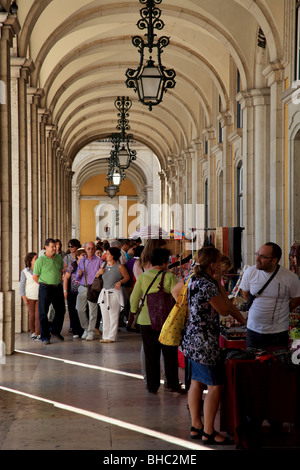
column 35, row 94
column 209, row 133
column 9, row 27
column 274, row 72
column 225, row 118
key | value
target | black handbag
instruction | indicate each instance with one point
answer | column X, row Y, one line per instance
column 252, row 297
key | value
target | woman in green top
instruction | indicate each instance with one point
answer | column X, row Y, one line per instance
column 151, row 344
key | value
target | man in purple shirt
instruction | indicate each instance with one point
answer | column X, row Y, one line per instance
column 86, row 272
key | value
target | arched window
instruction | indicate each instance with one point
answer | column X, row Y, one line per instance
column 239, row 184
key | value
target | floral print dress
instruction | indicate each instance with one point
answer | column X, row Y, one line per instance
column 201, row 338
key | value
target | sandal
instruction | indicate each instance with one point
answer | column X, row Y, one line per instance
column 198, row 431
column 210, row 440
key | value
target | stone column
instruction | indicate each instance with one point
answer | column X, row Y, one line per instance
column 197, row 178
column 211, row 173
column 35, row 95
column 25, row 71
column 226, row 122
column 274, row 74
column 19, row 76
column 8, row 28
column 75, row 211
column 55, row 186
column 50, row 134
column 261, row 103
column 43, row 119
column 162, row 177
column 249, row 246
column 68, row 215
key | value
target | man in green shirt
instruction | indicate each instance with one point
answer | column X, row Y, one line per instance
column 47, row 273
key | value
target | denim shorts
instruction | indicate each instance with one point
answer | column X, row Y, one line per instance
column 208, row 375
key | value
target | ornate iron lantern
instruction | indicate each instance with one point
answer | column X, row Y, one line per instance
column 150, row 80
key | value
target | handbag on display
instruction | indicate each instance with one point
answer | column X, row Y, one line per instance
column 136, row 314
column 159, row 305
column 171, row 332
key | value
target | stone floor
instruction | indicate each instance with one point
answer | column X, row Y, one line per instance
column 88, row 396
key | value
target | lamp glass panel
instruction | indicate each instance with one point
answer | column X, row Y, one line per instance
column 150, row 82
column 116, row 178
column 112, row 191
column 123, row 157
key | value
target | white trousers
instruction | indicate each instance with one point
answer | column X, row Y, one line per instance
column 110, row 311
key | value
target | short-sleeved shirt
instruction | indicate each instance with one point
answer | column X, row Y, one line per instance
column 90, row 266
column 269, row 313
column 48, row 269
column 201, row 338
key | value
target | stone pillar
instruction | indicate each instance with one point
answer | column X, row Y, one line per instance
column 35, row 95
column 162, row 177
column 43, row 119
column 226, row 122
column 8, row 28
column 249, row 246
column 55, row 186
column 50, row 134
column 25, row 71
column 19, row 76
column 75, row 211
column 261, row 103
column 274, row 74
column 68, row 215
column 211, row 173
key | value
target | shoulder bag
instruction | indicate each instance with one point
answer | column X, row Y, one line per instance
column 159, row 305
column 252, row 297
column 171, row 332
column 94, row 289
column 136, row 314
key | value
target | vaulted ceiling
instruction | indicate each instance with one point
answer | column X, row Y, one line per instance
column 81, row 50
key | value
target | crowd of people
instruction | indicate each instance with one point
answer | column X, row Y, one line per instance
column 130, row 272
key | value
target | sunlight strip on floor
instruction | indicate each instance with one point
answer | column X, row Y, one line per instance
column 82, row 364
column 113, row 421
column 88, row 366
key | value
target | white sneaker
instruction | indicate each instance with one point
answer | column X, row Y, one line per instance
column 90, row 337
column 75, row 336
column 85, row 333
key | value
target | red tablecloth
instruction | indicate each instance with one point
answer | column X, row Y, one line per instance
column 258, row 390
column 232, row 344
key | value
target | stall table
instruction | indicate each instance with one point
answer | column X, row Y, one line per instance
column 260, row 390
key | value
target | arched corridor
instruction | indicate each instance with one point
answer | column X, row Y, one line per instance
column 233, row 112
column 219, row 153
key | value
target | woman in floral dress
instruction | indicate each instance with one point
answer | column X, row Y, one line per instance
column 207, row 299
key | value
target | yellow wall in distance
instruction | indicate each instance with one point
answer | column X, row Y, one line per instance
column 94, row 188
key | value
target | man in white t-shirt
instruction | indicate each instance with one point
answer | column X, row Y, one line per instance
column 268, row 316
